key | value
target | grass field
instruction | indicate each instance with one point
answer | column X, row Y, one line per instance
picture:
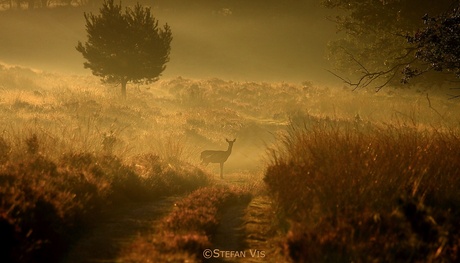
column 352, row 175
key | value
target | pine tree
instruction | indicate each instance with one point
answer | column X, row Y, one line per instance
column 125, row 46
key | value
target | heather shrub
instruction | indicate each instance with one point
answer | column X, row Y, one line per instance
column 4, row 150
column 38, row 211
column 45, row 203
column 198, row 210
column 187, row 230
column 353, row 192
column 166, row 178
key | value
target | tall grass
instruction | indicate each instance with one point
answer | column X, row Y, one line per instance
column 45, row 202
column 350, row 191
column 73, row 139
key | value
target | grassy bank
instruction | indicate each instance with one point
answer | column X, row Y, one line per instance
column 351, row 191
column 188, row 230
column 45, row 203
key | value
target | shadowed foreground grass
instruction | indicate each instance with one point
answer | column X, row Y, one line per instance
column 354, row 192
column 45, row 203
column 188, row 229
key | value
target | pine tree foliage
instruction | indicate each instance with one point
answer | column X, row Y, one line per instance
column 127, row 46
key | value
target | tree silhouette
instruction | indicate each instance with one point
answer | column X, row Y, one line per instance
column 125, row 47
column 437, row 44
column 394, row 41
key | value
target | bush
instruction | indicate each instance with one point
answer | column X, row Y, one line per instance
column 38, row 211
column 45, row 203
column 340, row 186
column 4, row 151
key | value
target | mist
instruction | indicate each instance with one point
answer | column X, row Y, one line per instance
column 245, row 146
column 236, row 43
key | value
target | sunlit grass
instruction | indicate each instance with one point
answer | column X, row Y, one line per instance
column 350, row 191
column 74, row 139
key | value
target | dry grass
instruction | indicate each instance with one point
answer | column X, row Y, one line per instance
column 188, row 229
column 69, row 145
column 45, row 202
column 349, row 191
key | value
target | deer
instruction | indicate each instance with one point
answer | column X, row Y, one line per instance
column 211, row 156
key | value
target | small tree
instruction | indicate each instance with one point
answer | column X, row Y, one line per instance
column 125, row 47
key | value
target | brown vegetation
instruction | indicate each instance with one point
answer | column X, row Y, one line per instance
column 349, row 191
column 368, row 180
column 189, row 228
column 44, row 202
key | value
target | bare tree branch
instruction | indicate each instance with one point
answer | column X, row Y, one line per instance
column 451, row 96
column 431, row 107
column 368, row 77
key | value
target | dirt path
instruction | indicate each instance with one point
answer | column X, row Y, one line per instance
column 106, row 238
column 230, row 234
column 246, row 228
column 260, row 236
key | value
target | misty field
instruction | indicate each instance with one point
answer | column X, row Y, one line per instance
column 314, row 175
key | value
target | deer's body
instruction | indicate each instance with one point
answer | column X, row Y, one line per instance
column 210, row 156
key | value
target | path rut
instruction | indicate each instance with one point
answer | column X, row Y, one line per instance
column 244, row 228
column 248, row 229
column 103, row 241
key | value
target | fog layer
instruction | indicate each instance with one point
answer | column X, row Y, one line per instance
column 208, row 42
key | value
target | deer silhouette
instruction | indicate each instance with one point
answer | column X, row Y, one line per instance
column 210, row 156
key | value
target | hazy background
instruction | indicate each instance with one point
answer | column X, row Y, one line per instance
column 253, row 41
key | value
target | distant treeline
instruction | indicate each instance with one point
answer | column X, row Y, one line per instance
column 33, row 4
column 239, row 5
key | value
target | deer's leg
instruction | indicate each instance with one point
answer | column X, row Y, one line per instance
column 221, row 170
